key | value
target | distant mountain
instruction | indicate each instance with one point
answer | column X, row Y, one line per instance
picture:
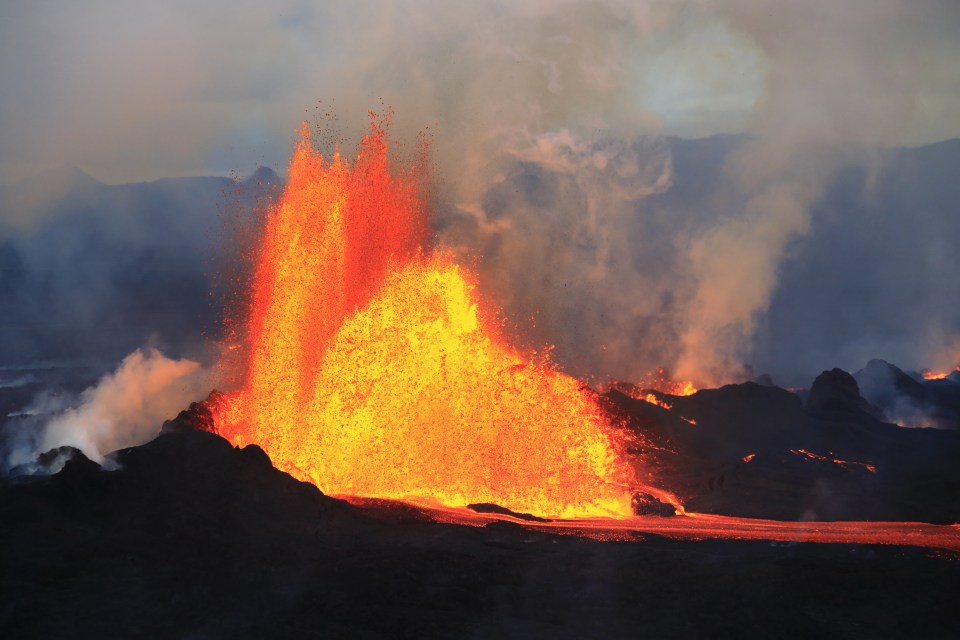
column 92, row 271
column 874, row 277
column 24, row 202
column 910, row 402
column 88, row 269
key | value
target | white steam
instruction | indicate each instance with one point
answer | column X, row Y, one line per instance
column 126, row 408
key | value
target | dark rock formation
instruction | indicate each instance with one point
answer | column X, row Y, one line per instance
column 197, row 417
column 192, row 538
column 756, row 451
column 835, row 395
column 60, row 459
column 488, row 507
column 764, row 380
column 645, row 504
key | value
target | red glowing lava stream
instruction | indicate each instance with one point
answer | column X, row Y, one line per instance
column 703, row 526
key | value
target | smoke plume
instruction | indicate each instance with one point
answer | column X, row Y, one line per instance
column 552, row 125
column 834, row 87
column 126, row 408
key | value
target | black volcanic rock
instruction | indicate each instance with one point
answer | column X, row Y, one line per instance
column 197, row 417
column 489, row 507
column 188, row 480
column 69, row 460
column 942, row 403
column 835, row 395
column 764, row 380
column 206, row 475
column 77, row 465
column 751, row 450
column 645, row 504
column 192, row 538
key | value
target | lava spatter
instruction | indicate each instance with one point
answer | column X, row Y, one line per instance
column 372, row 370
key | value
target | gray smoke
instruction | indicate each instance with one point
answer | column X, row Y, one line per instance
column 835, row 86
column 593, row 228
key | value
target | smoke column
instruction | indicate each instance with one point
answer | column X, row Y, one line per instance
column 126, row 408
column 548, row 121
column 834, row 87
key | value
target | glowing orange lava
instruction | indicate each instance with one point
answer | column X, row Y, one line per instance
column 653, row 386
column 653, row 399
column 702, row 526
column 937, row 375
column 660, row 380
column 373, row 372
column 846, row 464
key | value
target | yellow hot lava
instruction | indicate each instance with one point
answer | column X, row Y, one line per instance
column 372, row 371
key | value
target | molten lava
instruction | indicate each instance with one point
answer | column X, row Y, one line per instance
column 652, row 388
column 937, row 375
column 846, row 464
column 653, row 399
column 660, row 380
column 372, row 371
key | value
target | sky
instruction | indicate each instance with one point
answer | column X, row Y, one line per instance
column 549, row 123
column 137, row 91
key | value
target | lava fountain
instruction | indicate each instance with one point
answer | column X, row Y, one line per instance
column 373, row 371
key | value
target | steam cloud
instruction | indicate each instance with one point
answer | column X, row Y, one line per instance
column 125, row 408
column 558, row 179
column 571, row 245
column 834, row 87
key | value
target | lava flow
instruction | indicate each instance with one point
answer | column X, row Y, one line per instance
column 652, row 386
column 373, row 372
column 703, row 526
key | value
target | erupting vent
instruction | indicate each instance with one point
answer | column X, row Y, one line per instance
column 372, row 372
column 660, row 380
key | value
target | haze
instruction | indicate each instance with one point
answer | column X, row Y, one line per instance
column 553, row 128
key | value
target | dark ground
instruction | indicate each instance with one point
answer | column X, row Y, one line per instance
column 760, row 451
column 192, row 538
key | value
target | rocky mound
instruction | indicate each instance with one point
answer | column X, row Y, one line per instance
column 191, row 538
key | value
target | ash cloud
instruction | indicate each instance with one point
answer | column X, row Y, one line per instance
column 873, row 279
column 556, row 235
column 841, row 86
